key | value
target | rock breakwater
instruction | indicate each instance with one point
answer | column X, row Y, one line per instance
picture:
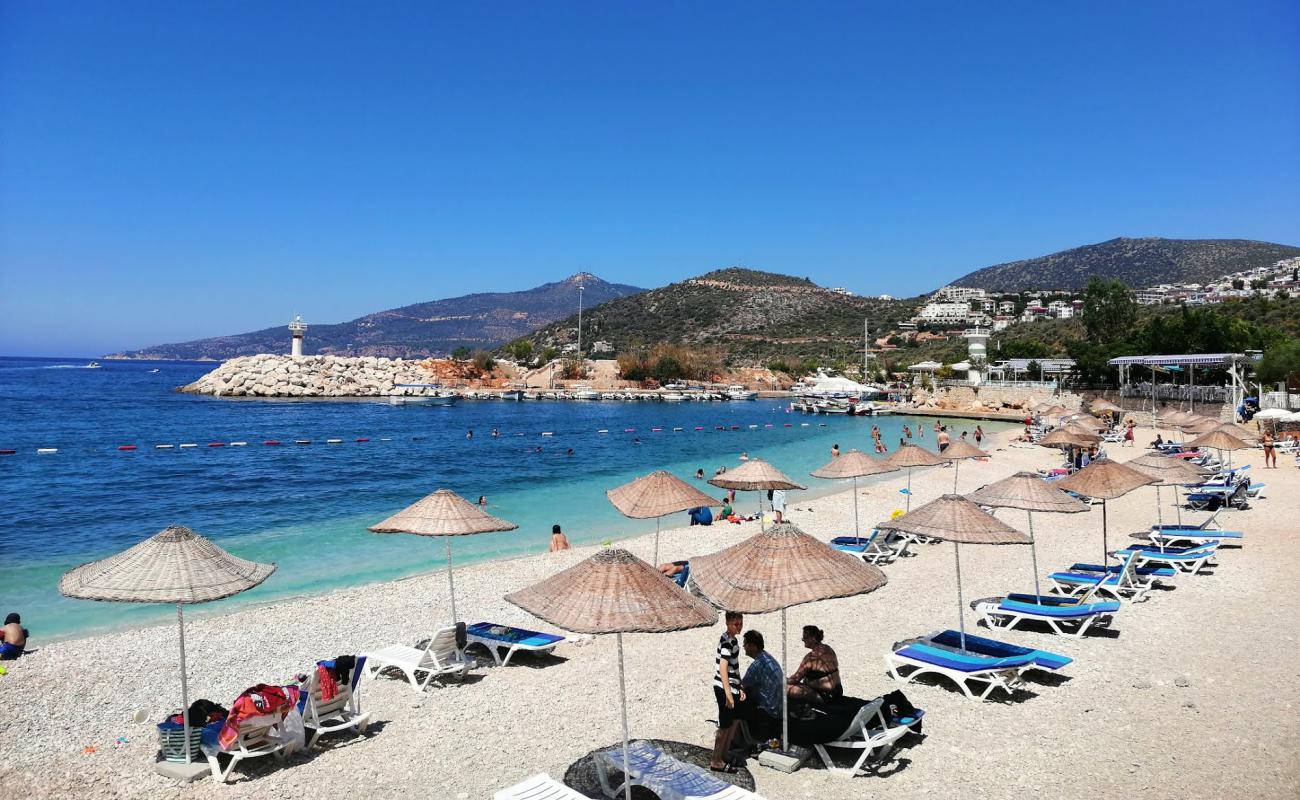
column 311, row 376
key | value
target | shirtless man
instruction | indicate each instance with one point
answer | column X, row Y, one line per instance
column 15, row 638
column 944, row 440
column 558, row 540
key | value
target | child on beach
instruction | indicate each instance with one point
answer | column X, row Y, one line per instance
column 727, row 691
column 558, row 540
column 13, row 638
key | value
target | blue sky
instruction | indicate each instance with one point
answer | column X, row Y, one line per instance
column 176, row 170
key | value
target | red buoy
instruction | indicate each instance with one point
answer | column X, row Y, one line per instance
column 8, row 452
column 216, row 444
column 126, row 447
column 271, row 442
column 363, row 440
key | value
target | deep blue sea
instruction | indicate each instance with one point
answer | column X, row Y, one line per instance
column 306, row 507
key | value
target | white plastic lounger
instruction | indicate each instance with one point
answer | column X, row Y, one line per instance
column 441, row 657
column 340, row 712
column 1190, row 560
column 1123, row 585
column 497, row 639
column 960, row 668
column 871, row 549
column 1210, row 523
column 1193, row 537
column 1066, row 616
column 539, row 787
column 869, row 732
column 664, row 775
column 258, row 736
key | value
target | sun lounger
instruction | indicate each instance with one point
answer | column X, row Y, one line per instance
column 1125, row 584
column 872, row 733
column 1148, row 576
column 539, row 787
column 441, row 657
column 1184, row 559
column 498, row 639
column 871, row 549
column 961, row 668
column 340, row 712
column 1067, row 616
column 258, row 736
column 1194, row 536
column 664, row 775
column 1255, row 491
column 1209, row 523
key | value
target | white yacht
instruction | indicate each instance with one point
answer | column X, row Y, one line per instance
column 738, row 392
column 582, row 392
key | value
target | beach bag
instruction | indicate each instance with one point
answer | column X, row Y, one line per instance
column 897, row 707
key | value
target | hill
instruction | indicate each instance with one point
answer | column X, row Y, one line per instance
column 752, row 317
column 1137, row 262
column 424, row 329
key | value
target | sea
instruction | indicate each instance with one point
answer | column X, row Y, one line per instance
column 306, row 507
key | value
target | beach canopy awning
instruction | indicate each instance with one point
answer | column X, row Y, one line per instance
column 754, row 475
column 1029, row 492
column 1218, row 440
column 925, row 366
column 175, row 566
column 1102, row 405
column 1233, row 429
column 961, row 366
column 1273, row 413
column 1193, row 359
column 953, row 518
column 854, row 464
column 613, row 591
column 1088, row 421
column 1105, row 480
column 443, row 513
column 911, row 455
column 656, row 495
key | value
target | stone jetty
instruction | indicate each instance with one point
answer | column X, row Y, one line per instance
column 311, row 376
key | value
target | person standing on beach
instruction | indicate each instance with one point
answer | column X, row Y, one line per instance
column 1270, row 453
column 558, row 540
column 727, row 691
column 1129, row 433
column 979, row 435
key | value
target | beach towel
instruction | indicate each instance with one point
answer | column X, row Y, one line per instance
column 260, row 700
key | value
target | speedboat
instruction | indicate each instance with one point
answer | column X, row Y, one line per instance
column 740, row 393
column 673, row 397
column 513, row 394
column 585, row 393
column 93, row 365
column 424, row 394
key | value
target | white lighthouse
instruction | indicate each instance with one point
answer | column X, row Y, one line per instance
column 977, row 342
column 297, row 329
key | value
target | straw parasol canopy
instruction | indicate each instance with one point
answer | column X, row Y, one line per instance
column 447, row 514
column 1060, row 438
column 614, row 592
column 1102, row 405
column 1087, row 421
column 655, row 495
column 1167, row 470
column 854, row 464
column 1028, row 491
column 1080, row 431
column 1199, row 425
column 1055, row 410
column 1232, row 428
column 779, row 568
column 909, row 456
column 175, row 565
column 955, row 519
column 754, row 475
column 956, row 453
column 1218, row 440
column 1105, row 480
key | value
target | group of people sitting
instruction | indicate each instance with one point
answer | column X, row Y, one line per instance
column 756, row 697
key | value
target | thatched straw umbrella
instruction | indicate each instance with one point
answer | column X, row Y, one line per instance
column 614, row 592
column 1103, row 406
column 1055, row 410
column 1242, row 433
column 1168, row 471
column 908, row 456
column 1105, row 480
column 955, row 519
column 1088, row 421
column 1081, row 431
column 957, row 452
column 175, row 565
column 755, row 475
column 1219, row 440
column 655, row 495
column 1028, row 491
column 1062, row 439
column 854, row 464
column 776, row 569
column 443, row 513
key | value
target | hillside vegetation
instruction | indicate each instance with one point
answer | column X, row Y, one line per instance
column 1137, row 262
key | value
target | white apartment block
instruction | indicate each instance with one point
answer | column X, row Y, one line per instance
column 959, row 294
column 944, row 313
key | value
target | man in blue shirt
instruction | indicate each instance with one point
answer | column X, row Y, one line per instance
column 764, row 684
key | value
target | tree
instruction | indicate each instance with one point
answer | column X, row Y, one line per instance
column 484, row 362
column 667, row 369
column 1238, row 284
column 548, row 355
column 520, row 349
column 1109, row 310
column 1281, row 363
column 1259, row 283
column 461, row 353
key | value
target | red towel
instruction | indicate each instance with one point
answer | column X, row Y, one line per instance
column 329, row 688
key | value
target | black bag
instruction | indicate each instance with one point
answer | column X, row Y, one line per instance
column 201, row 711
column 896, row 706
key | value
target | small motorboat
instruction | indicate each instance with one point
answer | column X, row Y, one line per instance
column 93, row 365
column 740, row 393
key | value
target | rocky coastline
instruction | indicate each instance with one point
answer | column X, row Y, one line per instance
column 311, row 376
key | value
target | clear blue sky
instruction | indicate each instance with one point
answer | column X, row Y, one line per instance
column 176, row 170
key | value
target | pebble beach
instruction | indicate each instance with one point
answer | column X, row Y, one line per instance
column 1191, row 693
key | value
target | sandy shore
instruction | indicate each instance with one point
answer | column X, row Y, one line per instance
column 1195, row 697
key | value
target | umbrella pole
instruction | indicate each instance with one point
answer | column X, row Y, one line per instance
column 655, row 563
column 185, row 689
column 1105, row 555
column 909, row 488
column 762, row 524
column 1033, row 554
column 857, row 525
column 1178, row 506
column 622, row 693
column 451, row 583
column 785, row 696
column 956, row 468
column 961, row 618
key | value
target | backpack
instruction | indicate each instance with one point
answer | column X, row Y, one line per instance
column 897, row 707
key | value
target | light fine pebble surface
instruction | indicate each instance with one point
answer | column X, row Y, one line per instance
column 1193, row 693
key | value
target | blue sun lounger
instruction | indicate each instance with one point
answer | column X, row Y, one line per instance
column 1184, row 559
column 999, row 665
column 1124, row 584
column 1067, row 616
column 1168, row 536
column 871, row 549
column 662, row 774
column 504, row 638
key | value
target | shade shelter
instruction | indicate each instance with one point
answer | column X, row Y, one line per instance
column 957, row 452
column 908, row 456
column 854, row 464
column 177, row 566
column 955, row 519
column 1029, row 492
column 1062, row 439
column 1080, row 431
column 656, row 495
column 443, row 513
column 1103, row 406
column 1219, row 440
column 1055, row 410
column 755, row 475
column 614, row 592
column 1242, row 433
column 1105, row 480
column 1087, row 421
column 1168, row 471
column 776, row 569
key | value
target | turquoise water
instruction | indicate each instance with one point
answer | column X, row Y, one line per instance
column 306, row 507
